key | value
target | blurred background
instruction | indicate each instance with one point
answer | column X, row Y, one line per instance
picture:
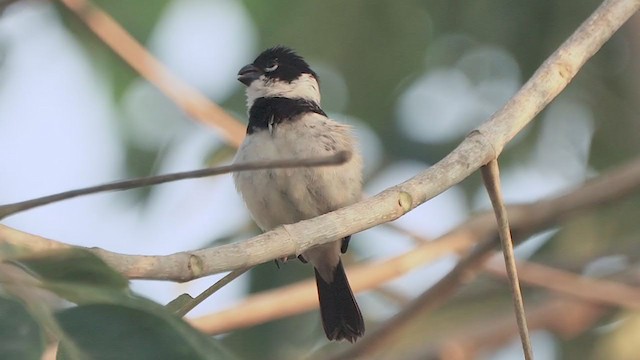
column 413, row 77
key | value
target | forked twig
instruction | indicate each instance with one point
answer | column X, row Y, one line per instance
column 210, row 291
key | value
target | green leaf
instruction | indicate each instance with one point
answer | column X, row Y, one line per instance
column 20, row 335
column 77, row 275
column 73, row 266
column 109, row 331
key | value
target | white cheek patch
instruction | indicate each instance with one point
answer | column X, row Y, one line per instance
column 305, row 87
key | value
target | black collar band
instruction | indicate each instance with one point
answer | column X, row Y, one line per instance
column 271, row 111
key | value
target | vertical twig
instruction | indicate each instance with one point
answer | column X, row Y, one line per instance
column 491, row 178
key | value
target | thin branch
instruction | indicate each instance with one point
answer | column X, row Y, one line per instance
column 574, row 310
column 491, row 178
column 186, row 97
column 567, row 318
column 335, row 159
column 600, row 291
column 210, row 291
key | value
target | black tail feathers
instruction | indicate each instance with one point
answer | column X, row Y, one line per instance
column 341, row 317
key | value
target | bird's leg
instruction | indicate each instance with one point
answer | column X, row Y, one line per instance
column 345, row 244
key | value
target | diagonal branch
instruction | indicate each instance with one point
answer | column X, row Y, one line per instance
column 525, row 219
column 598, row 291
column 194, row 103
column 575, row 304
column 567, row 318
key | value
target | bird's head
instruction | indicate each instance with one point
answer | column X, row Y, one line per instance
column 279, row 72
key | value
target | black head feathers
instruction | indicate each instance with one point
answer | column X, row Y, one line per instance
column 282, row 63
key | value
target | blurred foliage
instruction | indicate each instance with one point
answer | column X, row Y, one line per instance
column 21, row 336
column 380, row 48
column 109, row 322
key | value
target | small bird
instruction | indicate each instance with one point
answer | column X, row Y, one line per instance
column 286, row 121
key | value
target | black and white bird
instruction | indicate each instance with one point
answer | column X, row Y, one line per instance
column 286, row 121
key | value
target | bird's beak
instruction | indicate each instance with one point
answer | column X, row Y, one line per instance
column 248, row 74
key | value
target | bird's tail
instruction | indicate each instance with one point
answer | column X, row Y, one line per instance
column 341, row 317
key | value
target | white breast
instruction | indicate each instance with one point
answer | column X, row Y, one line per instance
column 284, row 196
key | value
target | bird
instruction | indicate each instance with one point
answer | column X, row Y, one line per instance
column 286, row 121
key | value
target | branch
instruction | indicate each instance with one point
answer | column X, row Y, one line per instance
column 599, row 291
column 335, row 159
column 525, row 219
column 574, row 310
column 186, row 97
column 491, row 177
column 563, row 316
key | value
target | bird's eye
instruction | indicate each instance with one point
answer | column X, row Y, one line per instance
column 272, row 67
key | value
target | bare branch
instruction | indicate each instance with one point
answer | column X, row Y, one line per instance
column 525, row 219
column 491, row 177
column 574, row 310
column 565, row 317
column 600, row 291
column 335, row 159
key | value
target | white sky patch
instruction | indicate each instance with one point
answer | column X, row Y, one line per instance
column 431, row 219
column 446, row 103
column 56, row 127
column 152, row 119
column 188, row 214
column 205, row 42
